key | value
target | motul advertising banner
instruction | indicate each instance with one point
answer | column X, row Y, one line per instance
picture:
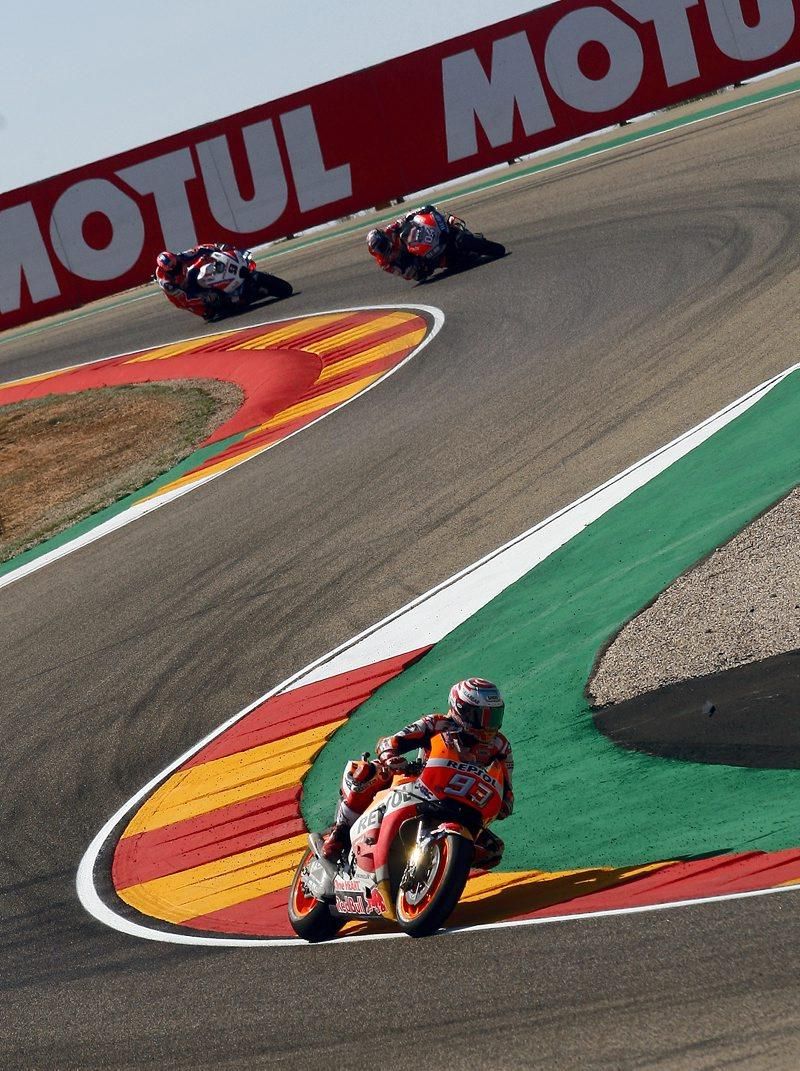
column 524, row 84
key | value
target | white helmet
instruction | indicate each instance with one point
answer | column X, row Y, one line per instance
column 478, row 707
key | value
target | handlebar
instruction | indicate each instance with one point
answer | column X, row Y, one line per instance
column 410, row 767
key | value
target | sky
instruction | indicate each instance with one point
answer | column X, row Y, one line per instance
column 91, row 78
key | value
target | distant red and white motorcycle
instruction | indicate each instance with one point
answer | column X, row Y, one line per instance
column 226, row 280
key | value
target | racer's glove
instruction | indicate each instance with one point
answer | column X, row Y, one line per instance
column 390, row 758
column 506, row 807
column 394, row 762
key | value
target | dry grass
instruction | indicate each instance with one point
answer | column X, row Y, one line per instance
column 65, row 456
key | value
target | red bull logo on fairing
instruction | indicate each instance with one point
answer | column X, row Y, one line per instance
column 375, row 902
column 362, row 902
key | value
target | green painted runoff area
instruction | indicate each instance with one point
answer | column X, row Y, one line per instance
column 75, row 531
column 581, row 801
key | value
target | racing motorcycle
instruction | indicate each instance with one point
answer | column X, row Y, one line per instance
column 410, row 852
column 445, row 242
column 230, row 280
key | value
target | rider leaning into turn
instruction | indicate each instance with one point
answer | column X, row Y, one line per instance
column 178, row 281
column 387, row 247
column 471, row 726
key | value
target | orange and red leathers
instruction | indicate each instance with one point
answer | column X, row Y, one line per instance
column 399, row 262
column 420, row 733
column 363, row 780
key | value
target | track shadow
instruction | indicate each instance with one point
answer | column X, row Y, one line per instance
column 527, row 894
column 526, row 897
column 470, row 265
column 747, row 716
column 239, row 310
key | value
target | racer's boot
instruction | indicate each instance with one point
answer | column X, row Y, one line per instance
column 336, row 841
column 213, row 307
column 488, row 850
column 360, row 783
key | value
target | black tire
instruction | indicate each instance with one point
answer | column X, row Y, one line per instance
column 425, row 920
column 476, row 243
column 310, row 919
column 272, row 286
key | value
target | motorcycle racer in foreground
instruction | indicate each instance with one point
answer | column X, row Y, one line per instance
column 178, row 280
column 386, row 245
column 471, row 726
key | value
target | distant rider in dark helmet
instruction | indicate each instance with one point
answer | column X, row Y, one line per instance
column 471, row 726
column 387, row 247
column 178, row 280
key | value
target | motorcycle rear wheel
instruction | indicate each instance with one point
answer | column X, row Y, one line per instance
column 310, row 918
column 476, row 243
column 272, row 286
column 423, row 909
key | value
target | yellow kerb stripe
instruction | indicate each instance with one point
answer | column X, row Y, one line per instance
column 313, row 405
column 279, row 335
column 215, row 886
column 174, row 349
column 38, row 378
column 374, row 353
column 232, row 779
column 353, row 334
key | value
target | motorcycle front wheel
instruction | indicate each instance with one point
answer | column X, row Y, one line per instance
column 430, row 890
column 311, row 919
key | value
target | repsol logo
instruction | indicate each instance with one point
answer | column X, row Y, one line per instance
column 471, row 768
column 595, row 58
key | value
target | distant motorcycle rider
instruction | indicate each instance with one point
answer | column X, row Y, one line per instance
column 388, row 248
column 178, row 279
column 471, row 726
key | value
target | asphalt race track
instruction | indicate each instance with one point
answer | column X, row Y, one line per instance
column 645, row 289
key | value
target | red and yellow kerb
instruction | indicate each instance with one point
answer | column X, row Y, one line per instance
column 291, row 373
column 215, row 846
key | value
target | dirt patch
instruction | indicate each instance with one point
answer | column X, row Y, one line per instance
column 65, row 456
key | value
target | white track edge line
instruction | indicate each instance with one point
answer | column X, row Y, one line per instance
column 141, row 509
column 85, row 887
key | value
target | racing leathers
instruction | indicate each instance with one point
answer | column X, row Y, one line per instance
column 398, row 260
column 362, row 779
column 180, row 285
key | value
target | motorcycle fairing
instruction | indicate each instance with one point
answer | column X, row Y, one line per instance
column 372, row 834
column 355, row 896
column 223, row 272
column 425, row 235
